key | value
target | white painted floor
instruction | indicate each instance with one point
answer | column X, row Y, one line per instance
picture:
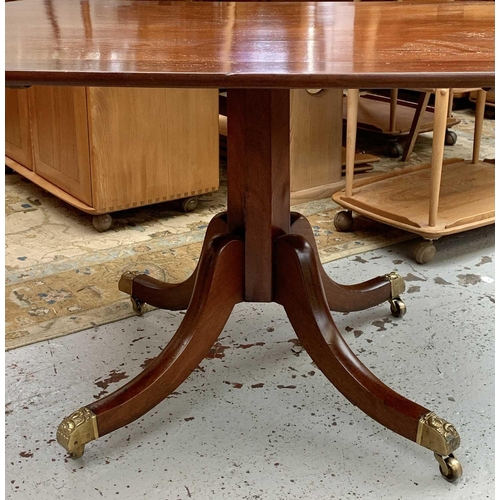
column 259, row 421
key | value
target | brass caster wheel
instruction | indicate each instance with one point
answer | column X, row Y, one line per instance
column 449, row 467
column 343, row 221
column 102, row 222
column 394, row 149
column 138, row 306
column 189, row 204
column 424, row 252
column 450, row 138
column 398, row 307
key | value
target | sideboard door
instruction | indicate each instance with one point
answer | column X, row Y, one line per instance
column 17, row 127
column 60, row 138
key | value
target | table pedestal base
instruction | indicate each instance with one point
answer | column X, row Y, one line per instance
column 302, row 287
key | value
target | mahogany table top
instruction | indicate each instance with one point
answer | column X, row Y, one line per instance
column 249, row 45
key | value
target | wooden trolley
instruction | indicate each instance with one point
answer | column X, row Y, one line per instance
column 431, row 200
column 397, row 118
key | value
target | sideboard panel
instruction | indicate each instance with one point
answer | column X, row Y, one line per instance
column 60, row 138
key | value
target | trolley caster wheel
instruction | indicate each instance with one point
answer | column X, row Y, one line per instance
column 398, row 307
column 424, row 252
column 102, row 222
column 343, row 221
column 138, row 306
column 394, row 149
column 449, row 467
column 450, row 138
column 189, row 204
column 489, row 112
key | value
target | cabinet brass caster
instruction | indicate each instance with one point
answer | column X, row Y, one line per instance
column 343, row 221
column 449, row 467
column 398, row 307
column 138, row 306
column 75, row 431
column 102, row 222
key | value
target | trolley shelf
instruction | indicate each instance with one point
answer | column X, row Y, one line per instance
column 401, row 198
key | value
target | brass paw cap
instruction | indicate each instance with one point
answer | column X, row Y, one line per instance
column 437, row 434
column 75, row 431
column 397, row 284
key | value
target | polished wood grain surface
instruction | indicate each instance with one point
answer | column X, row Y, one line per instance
column 249, row 45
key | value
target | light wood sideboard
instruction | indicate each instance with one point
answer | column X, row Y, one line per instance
column 105, row 149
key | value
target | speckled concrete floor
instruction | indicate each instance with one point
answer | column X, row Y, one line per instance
column 259, row 421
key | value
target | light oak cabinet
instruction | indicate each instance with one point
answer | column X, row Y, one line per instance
column 315, row 144
column 109, row 149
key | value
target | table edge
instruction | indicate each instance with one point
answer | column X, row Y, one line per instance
column 18, row 78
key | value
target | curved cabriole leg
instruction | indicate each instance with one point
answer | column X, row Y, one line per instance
column 298, row 288
column 219, row 286
column 144, row 289
column 347, row 298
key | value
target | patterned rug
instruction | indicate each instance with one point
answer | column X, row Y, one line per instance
column 61, row 274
